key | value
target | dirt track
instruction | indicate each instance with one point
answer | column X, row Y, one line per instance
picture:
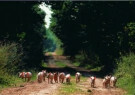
column 34, row 88
column 99, row 90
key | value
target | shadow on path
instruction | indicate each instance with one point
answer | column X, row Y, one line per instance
column 73, row 70
column 70, row 68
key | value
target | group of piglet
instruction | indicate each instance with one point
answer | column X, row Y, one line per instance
column 56, row 76
column 108, row 81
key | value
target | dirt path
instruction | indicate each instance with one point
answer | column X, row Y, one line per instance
column 32, row 88
column 99, row 90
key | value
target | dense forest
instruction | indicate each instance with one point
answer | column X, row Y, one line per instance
column 98, row 31
column 22, row 23
column 98, row 34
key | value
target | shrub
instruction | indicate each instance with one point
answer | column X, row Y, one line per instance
column 125, row 73
column 10, row 56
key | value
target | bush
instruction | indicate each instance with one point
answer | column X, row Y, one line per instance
column 10, row 56
column 125, row 73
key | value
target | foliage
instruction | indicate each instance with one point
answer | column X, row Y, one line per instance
column 8, row 80
column 96, row 28
column 51, row 43
column 127, row 38
column 125, row 73
column 10, row 57
column 23, row 22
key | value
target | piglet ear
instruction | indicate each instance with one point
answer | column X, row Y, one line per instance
column 95, row 77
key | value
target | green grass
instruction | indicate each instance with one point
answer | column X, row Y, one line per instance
column 72, row 88
column 49, row 53
column 127, row 84
column 126, row 73
column 9, row 59
column 43, row 64
column 34, row 75
column 14, row 80
column 60, row 64
column 59, row 51
column 8, row 81
column 88, row 66
column 76, row 63
column 96, row 69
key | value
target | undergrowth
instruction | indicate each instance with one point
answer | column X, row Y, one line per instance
column 126, row 73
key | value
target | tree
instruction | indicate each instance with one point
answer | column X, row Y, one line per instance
column 23, row 22
column 92, row 27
